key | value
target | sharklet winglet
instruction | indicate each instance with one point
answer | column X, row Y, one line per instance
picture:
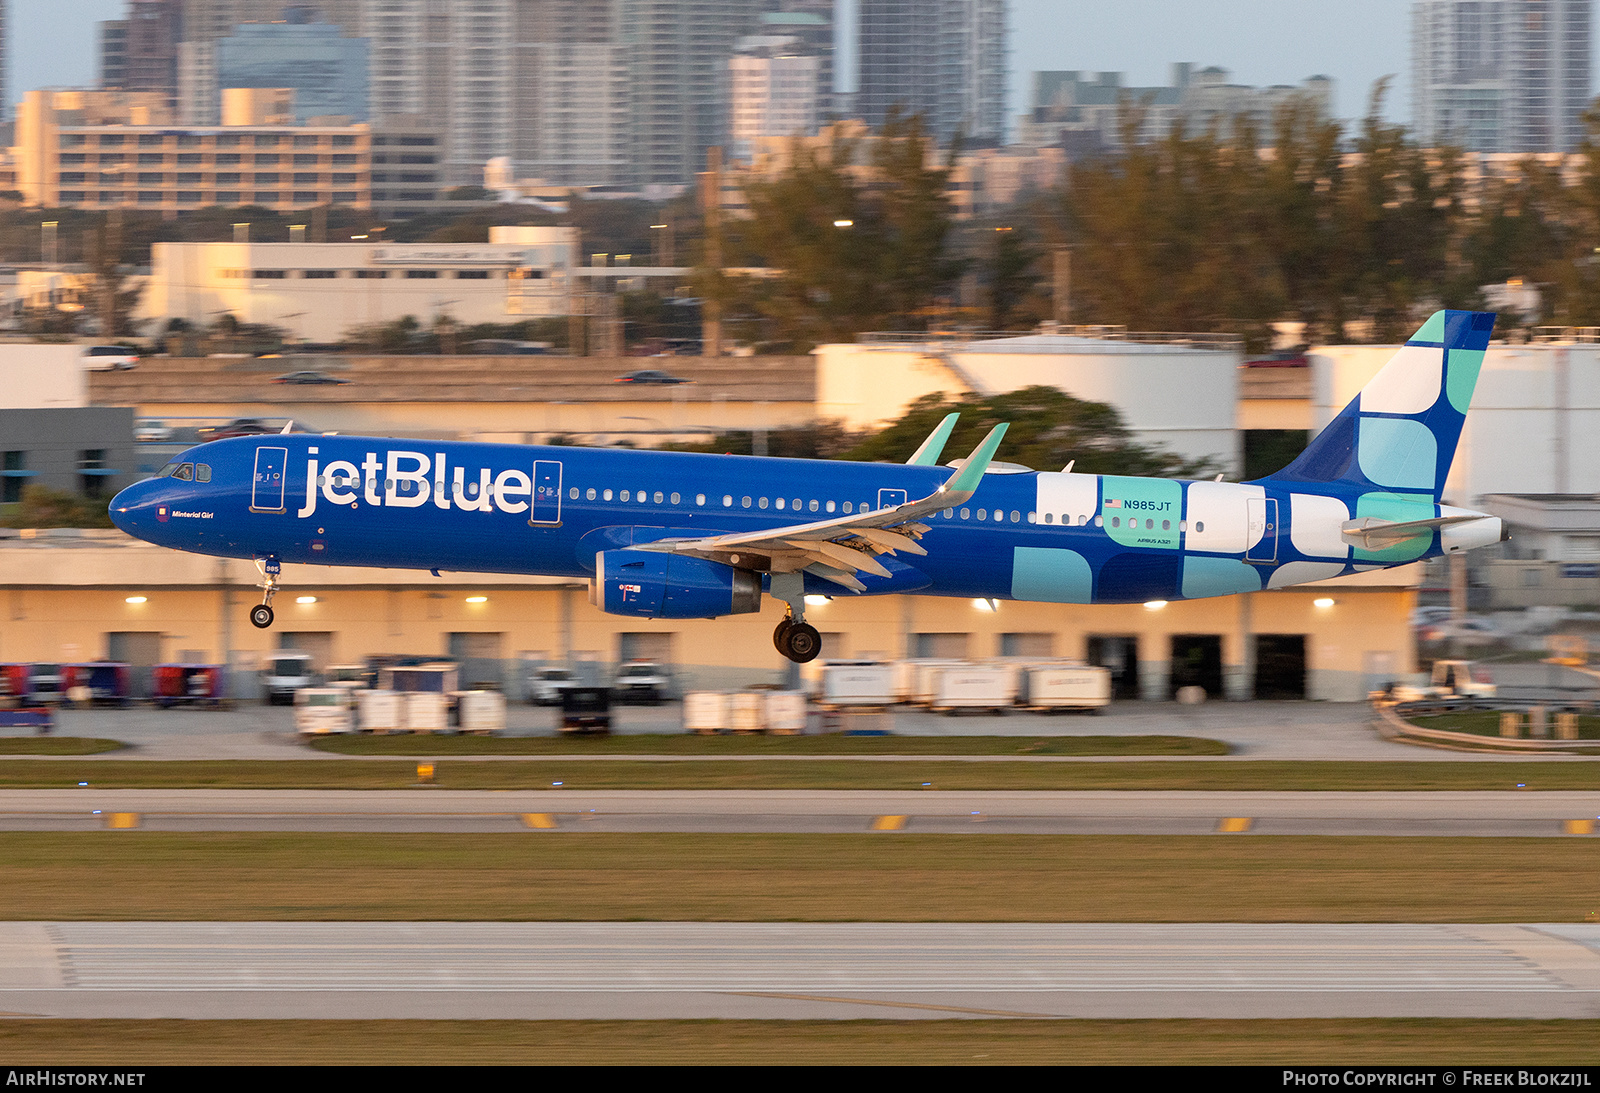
column 927, row 455
column 966, row 480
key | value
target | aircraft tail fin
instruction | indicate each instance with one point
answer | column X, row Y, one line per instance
column 1400, row 433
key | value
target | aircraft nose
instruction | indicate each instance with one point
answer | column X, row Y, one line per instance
column 129, row 509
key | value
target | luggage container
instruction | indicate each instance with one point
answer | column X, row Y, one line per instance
column 188, row 685
column 13, row 685
column 970, row 687
column 379, row 711
column 438, row 678
column 586, row 709
column 101, row 683
column 320, row 711
column 1083, row 687
column 786, row 712
column 705, row 712
column 918, row 679
column 425, row 711
column 747, row 711
column 858, row 683
column 38, row 718
column 482, row 711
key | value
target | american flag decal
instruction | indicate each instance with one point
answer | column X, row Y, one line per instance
column 1113, row 504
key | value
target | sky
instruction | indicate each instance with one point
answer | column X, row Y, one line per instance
column 1262, row 41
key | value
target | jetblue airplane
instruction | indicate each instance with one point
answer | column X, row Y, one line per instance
column 678, row 535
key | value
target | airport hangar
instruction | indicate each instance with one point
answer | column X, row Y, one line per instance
column 73, row 596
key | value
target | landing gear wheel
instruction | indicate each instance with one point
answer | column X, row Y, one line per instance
column 801, row 643
column 781, row 633
column 261, row 616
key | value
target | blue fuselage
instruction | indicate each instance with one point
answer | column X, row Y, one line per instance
column 494, row 508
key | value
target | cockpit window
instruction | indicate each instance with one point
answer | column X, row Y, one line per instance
column 202, row 472
column 168, row 471
column 184, row 473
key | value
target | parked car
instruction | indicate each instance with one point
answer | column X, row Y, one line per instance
column 109, row 358
column 652, row 375
column 151, row 430
column 308, row 378
column 641, row 681
column 239, row 426
column 547, row 685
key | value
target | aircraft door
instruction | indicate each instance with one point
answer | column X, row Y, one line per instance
column 888, row 499
column 266, row 495
column 1261, row 529
column 546, row 507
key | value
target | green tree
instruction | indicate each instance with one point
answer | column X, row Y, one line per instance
column 855, row 233
column 1048, row 429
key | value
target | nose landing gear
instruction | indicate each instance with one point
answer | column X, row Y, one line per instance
column 261, row 614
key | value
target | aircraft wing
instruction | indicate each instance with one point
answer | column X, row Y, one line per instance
column 837, row 549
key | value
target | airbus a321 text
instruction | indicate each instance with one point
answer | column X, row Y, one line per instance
column 676, row 535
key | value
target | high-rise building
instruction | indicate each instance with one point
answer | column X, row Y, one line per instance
column 942, row 59
column 774, row 93
column 678, row 54
column 1501, row 75
column 154, row 29
column 326, row 70
column 580, row 92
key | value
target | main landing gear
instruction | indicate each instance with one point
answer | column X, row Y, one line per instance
column 799, row 641
column 261, row 613
column 794, row 638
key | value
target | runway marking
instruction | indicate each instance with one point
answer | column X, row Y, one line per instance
column 893, row 1005
column 541, row 820
column 888, row 823
column 1234, row 824
column 122, row 820
column 1577, row 827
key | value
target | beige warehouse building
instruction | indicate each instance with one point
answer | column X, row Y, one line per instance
column 71, row 596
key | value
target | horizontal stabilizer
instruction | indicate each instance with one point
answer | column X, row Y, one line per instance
column 1370, row 530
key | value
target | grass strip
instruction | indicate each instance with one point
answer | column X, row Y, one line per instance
column 534, row 876
column 1389, row 1042
column 831, row 744
column 1487, row 723
column 935, row 773
column 57, row 745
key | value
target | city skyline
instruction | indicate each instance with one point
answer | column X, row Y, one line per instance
column 1356, row 44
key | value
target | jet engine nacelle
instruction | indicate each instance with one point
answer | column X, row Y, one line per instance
column 656, row 585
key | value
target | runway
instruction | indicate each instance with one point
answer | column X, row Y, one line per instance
column 555, row 811
column 781, row 970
